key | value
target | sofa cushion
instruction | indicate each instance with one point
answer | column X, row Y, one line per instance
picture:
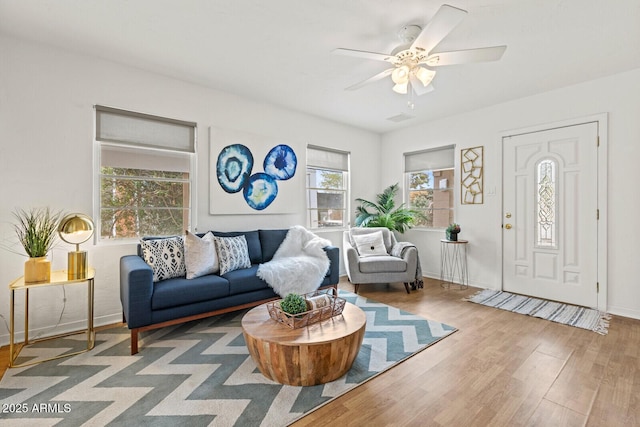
column 200, row 255
column 181, row 291
column 245, row 280
column 270, row 241
column 253, row 243
column 382, row 264
column 165, row 256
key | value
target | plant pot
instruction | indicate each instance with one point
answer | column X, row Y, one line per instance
column 37, row 270
column 452, row 236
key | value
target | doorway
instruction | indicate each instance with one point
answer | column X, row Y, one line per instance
column 551, row 213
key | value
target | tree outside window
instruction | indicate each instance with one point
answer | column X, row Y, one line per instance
column 326, row 193
column 431, row 192
column 135, row 203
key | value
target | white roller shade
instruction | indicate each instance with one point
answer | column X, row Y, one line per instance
column 434, row 159
column 126, row 127
column 135, row 158
column 323, row 158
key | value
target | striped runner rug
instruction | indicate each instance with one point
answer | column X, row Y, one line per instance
column 572, row 315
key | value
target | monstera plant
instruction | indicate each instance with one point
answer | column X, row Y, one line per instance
column 384, row 213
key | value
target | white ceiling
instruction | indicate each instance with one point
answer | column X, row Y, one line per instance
column 279, row 51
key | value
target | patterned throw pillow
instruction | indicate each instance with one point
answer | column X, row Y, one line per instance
column 165, row 256
column 233, row 253
column 200, row 255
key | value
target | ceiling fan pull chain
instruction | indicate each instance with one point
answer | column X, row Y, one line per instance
column 410, row 102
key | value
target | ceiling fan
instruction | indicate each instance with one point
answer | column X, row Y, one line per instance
column 412, row 61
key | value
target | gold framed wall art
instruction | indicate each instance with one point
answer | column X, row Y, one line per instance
column 472, row 175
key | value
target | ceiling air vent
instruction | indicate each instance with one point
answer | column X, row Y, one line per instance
column 401, row 117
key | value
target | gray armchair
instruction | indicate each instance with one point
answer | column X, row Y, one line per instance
column 394, row 262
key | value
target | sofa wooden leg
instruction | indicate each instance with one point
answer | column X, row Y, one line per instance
column 406, row 286
column 134, row 341
column 356, row 286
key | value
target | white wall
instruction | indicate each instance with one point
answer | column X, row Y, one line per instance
column 46, row 133
column 618, row 96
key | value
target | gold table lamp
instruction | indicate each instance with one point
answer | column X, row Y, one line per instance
column 76, row 228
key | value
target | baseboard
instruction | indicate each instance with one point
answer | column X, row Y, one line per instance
column 624, row 312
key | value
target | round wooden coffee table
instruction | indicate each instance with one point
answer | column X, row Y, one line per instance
column 315, row 354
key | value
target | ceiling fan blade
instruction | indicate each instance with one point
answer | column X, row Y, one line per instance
column 375, row 78
column 442, row 23
column 483, row 54
column 362, row 54
column 418, row 87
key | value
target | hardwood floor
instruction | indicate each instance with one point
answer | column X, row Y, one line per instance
column 499, row 369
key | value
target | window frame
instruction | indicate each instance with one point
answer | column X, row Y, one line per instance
column 345, row 190
column 441, row 164
column 142, row 148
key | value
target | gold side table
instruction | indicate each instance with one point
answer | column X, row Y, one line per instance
column 58, row 277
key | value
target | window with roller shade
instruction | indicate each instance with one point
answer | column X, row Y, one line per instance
column 429, row 178
column 144, row 174
column 327, row 188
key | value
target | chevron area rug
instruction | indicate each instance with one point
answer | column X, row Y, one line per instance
column 195, row 374
column 572, row 315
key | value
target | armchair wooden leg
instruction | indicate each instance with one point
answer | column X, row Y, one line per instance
column 356, row 286
column 406, row 286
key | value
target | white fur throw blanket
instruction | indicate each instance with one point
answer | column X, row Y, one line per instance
column 299, row 265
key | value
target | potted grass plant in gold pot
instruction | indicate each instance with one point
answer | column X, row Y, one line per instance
column 36, row 230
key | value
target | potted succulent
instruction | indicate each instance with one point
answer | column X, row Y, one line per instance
column 452, row 232
column 36, row 231
column 293, row 304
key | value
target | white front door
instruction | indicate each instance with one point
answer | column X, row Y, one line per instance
column 550, row 214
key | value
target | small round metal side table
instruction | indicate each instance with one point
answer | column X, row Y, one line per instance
column 453, row 263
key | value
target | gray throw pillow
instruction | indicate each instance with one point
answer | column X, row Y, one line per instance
column 233, row 253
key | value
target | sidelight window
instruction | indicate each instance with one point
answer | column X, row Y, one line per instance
column 546, row 206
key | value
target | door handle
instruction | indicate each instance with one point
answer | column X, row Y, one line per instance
column 507, row 226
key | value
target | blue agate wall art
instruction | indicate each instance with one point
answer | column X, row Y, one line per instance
column 233, row 167
column 234, row 171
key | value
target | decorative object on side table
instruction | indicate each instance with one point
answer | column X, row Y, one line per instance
column 76, row 228
column 316, row 306
column 452, row 232
column 36, row 231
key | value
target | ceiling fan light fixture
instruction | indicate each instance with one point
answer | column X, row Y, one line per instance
column 401, row 88
column 425, row 75
column 413, row 61
column 400, row 75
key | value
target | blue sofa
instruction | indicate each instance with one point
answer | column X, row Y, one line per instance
column 147, row 305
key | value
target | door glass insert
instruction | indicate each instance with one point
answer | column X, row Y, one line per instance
column 546, row 223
